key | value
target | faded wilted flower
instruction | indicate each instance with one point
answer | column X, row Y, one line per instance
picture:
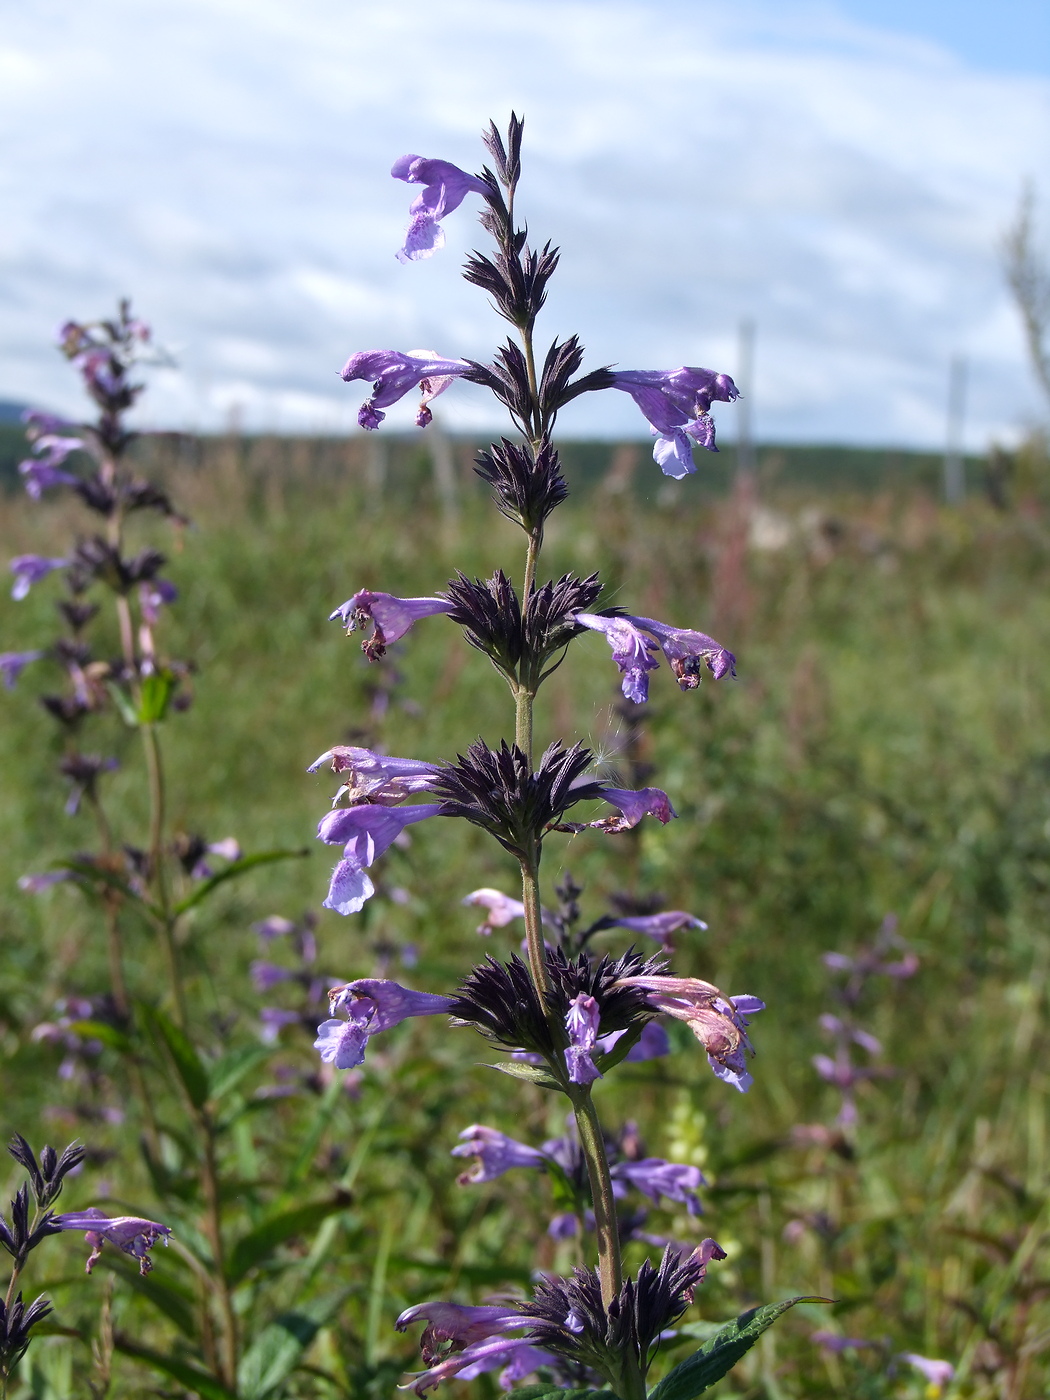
column 375, row 777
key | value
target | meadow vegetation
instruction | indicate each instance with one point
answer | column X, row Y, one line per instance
column 884, row 751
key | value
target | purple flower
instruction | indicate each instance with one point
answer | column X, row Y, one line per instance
column 392, row 617
column 153, row 596
column 633, row 806
column 31, row 568
column 687, row 651
column 267, row 975
column 38, row 883
column 661, row 926
column 718, row 1022
column 367, row 830
column 631, row 650
column 274, row 1019
column 518, row 1356
column 395, row 373
column 371, row 1005
column 581, row 1021
column 676, row 403
column 499, row 908
column 652, row 1044
column 445, row 187
column 13, row 663
column 44, row 471
column 655, row 1178
column 128, row 1232
column 274, row 927
column 937, row 1373
column 831, row 1341
column 494, row 1153
column 374, row 777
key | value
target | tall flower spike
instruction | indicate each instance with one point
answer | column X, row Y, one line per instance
column 676, row 403
column 445, row 187
column 371, row 1005
column 392, row 617
column 395, row 373
column 367, row 831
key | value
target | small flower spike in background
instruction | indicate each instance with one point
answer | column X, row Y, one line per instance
column 564, row 1016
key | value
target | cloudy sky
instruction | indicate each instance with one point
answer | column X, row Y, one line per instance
column 839, row 171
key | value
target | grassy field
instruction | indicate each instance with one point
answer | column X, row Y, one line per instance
column 885, row 750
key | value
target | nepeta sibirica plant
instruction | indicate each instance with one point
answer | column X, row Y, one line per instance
column 181, row 1071
column 564, row 1016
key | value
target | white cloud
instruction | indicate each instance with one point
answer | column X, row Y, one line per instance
column 226, row 163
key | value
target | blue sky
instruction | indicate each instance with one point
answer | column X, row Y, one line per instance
column 837, row 170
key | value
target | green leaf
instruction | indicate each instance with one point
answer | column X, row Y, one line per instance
column 123, row 704
column 535, row 1074
column 228, row 1071
column 697, row 1372
column 184, row 1058
column 235, row 868
column 198, row 1382
column 103, row 1031
column 275, row 1353
column 153, row 700
column 259, row 1244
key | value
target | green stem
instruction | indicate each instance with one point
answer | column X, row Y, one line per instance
column 210, row 1183
column 523, row 698
column 530, row 897
column 592, row 1143
column 158, row 872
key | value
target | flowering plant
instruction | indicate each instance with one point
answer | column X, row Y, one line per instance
column 564, row 1016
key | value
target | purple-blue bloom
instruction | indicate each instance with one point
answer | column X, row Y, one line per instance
column 494, row 1153
column 677, row 403
column 267, row 975
column 273, row 1020
column 632, row 806
column 129, row 1233
column 395, row 373
column 13, row 663
column 655, row 1178
column 391, row 616
column 154, row 595
column 660, row 926
column 376, row 777
column 581, row 1021
column 37, row 883
column 367, row 831
column 445, row 187
column 372, row 1005
column 31, row 568
column 631, row 650
column 687, row 651
column 652, row 1044
column 500, row 909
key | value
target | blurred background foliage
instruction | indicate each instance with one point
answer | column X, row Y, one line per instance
column 884, row 750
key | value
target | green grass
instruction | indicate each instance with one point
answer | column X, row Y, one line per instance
column 886, row 748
